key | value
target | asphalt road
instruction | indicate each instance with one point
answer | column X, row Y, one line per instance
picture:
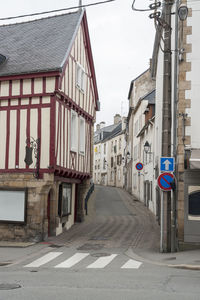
column 91, row 260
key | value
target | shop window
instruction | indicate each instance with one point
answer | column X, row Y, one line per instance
column 13, row 206
column 65, row 199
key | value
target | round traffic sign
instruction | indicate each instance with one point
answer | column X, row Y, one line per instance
column 139, row 166
column 164, row 181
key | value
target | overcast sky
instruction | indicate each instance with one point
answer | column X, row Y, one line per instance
column 122, row 44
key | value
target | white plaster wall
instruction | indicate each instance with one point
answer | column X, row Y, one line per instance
column 4, row 88
column 50, row 84
column 45, row 138
column 139, row 114
column 12, row 142
column 15, row 87
column 3, row 118
column 27, row 86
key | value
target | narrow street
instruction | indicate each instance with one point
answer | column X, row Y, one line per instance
column 93, row 259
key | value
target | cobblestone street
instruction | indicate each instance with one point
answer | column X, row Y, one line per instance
column 116, row 220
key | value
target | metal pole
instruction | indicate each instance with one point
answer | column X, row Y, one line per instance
column 174, row 194
column 161, row 223
column 166, row 122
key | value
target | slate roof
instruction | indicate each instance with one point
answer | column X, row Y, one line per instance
column 108, row 132
column 150, row 97
column 38, row 46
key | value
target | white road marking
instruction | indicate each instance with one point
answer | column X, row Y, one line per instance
column 72, row 260
column 131, row 264
column 102, row 262
column 43, row 260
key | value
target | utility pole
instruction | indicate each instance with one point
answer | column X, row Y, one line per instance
column 166, row 127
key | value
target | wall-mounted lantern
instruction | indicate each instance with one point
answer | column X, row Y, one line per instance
column 183, row 12
column 33, row 145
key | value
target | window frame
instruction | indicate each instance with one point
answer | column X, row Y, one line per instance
column 81, row 136
column 25, row 190
column 80, row 77
column 64, row 186
column 74, row 131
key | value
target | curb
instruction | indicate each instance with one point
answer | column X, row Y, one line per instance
column 16, row 244
column 133, row 255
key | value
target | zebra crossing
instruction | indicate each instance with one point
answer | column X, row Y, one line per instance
column 72, row 261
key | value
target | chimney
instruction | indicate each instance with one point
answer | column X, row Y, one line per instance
column 124, row 122
column 97, row 127
column 102, row 125
column 117, row 119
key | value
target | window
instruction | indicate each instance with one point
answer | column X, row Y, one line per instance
column 13, row 204
column 119, row 175
column 136, row 128
column 65, row 199
column 119, row 160
column 82, row 136
column 104, row 148
column 80, row 77
column 112, row 147
column 74, row 131
column 112, row 162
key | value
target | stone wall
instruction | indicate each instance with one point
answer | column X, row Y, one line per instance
column 36, row 225
column 183, row 104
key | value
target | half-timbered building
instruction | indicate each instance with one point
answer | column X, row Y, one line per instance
column 48, row 102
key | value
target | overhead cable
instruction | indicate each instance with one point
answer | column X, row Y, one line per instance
column 55, row 10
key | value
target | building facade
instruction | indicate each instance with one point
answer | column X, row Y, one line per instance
column 185, row 139
column 141, row 89
column 48, row 101
column 109, row 147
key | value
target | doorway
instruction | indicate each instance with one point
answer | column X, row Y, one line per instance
column 192, row 207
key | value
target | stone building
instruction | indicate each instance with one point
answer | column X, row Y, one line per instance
column 48, row 103
column 109, row 144
column 185, row 138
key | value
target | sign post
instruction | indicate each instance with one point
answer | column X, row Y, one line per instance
column 165, row 180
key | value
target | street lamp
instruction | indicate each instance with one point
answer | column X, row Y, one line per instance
column 128, row 155
column 183, row 12
column 147, row 148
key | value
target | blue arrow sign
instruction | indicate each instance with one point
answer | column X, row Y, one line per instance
column 167, row 164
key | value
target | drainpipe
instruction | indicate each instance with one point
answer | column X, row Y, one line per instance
column 174, row 195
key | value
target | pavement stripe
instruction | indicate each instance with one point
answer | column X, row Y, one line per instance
column 102, row 262
column 131, row 264
column 70, row 262
column 44, row 259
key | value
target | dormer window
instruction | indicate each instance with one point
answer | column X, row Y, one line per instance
column 2, row 59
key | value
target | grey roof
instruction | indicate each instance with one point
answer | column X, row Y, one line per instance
column 108, row 132
column 109, row 128
column 38, row 46
column 150, row 97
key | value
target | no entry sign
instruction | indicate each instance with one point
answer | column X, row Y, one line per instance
column 139, row 166
column 164, row 181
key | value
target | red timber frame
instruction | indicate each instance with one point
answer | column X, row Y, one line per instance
column 63, row 99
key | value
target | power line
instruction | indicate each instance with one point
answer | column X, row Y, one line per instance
column 56, row 10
